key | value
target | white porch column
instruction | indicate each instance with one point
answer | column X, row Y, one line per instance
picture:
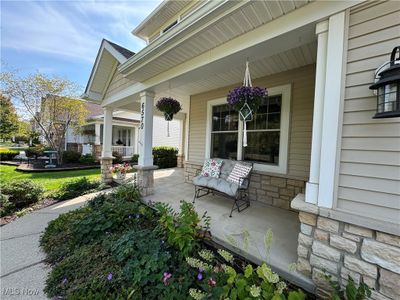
column 106, row 159
column 97, row 128
column 332, row 117
column 146, row 129
column 145, row 168
column 313, row 183
column 107, row 132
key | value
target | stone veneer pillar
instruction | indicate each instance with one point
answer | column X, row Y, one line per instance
column 180, row 160
column 106, row 174
column 145, row 179
column 343, row 249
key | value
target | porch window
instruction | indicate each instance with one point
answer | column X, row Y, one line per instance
column 267, row 133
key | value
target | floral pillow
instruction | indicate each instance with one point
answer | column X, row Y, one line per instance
column 211, row 168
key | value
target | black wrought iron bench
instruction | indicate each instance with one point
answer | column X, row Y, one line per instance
column 204, row 185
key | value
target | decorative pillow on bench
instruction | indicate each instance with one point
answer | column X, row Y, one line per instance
column 211, row 168
column 239, row 171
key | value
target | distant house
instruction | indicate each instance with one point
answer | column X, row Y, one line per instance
column 324, row 146
column 124, row 133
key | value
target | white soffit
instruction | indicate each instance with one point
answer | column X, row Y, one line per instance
column 245, row 19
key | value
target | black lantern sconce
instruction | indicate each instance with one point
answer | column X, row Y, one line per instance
column 388, row 87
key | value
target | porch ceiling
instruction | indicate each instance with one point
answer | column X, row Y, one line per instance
column 243, row 18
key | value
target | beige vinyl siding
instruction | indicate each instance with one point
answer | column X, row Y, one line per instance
column 302, row 80
column 369, row 173
column 117, row 84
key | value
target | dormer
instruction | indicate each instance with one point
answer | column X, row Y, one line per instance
column 166, row 16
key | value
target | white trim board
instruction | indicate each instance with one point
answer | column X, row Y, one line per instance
column 281, row 168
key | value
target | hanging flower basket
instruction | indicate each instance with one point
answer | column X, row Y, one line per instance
column 169, row 106
column 246, row 100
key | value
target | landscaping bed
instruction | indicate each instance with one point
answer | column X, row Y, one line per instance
column 117, row 247
column 39, row 167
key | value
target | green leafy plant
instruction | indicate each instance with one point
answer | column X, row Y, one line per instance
column 22, row 193
column 71, row 156
column 182, row 230
column 135, row 158
column 77, row 187
column 35, row 151
column 6, row 207
column 165, row 157
column 350, row 291
column 7, row 154
column 87, row 159
column 117, row 157
column 169, row 106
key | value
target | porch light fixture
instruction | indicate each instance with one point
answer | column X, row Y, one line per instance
column 388, row 87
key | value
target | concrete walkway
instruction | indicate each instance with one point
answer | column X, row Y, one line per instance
column 22, row 269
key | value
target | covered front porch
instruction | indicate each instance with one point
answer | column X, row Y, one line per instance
column 170, row 187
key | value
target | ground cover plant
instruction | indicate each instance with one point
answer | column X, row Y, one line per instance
column 117, row 247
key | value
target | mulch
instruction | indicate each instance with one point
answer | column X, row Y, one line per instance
column 65, row 167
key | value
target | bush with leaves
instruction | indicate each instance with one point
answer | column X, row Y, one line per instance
column 77, row 187
column 7, row 154
column 165, row 157
column 6, row 207
column 110, row 249
column 71, row 156
column 184, row 229
column 135, row 158
column 87, row 159
column 22, row 193
column 35, row 151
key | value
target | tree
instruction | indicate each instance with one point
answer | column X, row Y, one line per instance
column 50, row 103
column 8, row 118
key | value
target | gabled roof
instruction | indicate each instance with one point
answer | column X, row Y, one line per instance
column 108, row 57
column 125, row 52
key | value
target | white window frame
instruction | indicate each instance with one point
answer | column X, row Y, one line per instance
column 281, row 168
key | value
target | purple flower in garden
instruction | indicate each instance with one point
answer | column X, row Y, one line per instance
column 200, row 276
column 166, row 277
column 109, row 276
column 137, row 216
column 211, row 282
column 64, row 281
column 253, row 95
column 130, row 217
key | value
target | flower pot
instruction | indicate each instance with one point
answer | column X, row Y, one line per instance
column 168, row 117
column 121, row 176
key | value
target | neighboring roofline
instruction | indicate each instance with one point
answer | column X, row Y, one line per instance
column 111, row 48
column 143, row 24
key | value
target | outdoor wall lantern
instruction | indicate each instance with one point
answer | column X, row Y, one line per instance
column 388, row 87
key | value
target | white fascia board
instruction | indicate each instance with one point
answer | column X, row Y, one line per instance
column 185, row 29
column 105, row 45
column 307, row 14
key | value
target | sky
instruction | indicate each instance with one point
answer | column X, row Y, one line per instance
column 61, row 37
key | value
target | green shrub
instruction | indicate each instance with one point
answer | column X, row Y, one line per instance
column 6, row 207
column 135, row 158
column 35, row 151
column 71, row 156
column 165, row 157
column 117, row 157
column 7, row 154
column 76, row 187
column 182, row 230
column 350, row 291
column 21, row 193
column 87, row 159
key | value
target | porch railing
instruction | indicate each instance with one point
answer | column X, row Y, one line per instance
column 123, row 150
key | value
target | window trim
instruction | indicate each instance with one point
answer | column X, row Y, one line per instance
column 281, row 168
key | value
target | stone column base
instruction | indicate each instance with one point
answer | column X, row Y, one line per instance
column 97, row 152
column 106, row 174
column 180, row 161
column 145, row 179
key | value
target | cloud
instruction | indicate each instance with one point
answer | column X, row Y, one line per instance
column 71, row 30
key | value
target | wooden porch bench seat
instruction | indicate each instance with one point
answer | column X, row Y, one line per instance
column 204, row 185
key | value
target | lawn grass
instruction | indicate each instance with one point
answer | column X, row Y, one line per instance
column 50, row 181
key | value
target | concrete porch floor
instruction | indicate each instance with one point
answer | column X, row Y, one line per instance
column 169, row 187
